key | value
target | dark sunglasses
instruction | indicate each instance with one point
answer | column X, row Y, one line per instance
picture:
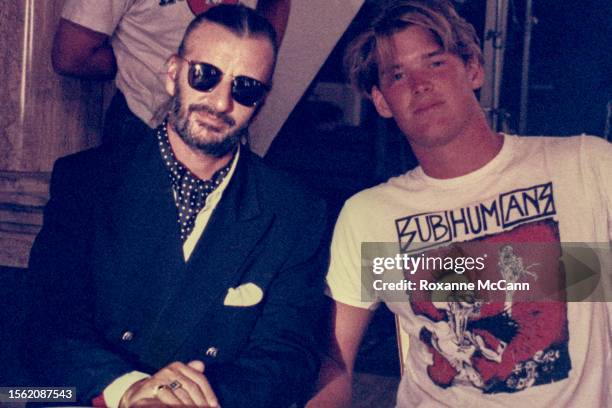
column 205, row 77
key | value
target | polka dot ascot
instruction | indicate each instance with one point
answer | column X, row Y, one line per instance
column 190, row 192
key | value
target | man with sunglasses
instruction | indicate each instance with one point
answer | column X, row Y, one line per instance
column 129, row 41
column 183, row 271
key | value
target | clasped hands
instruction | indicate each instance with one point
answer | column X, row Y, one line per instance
column 177, row 384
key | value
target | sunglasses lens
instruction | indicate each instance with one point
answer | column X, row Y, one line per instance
column 204, row 77
column 248, row 91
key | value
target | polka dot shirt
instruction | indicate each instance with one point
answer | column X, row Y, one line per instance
column 190, row 192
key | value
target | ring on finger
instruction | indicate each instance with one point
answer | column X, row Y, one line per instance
column 158, row 389
column 175, row 385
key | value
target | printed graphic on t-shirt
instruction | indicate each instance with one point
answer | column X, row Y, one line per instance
column 197, row 6
column 502, row 212
column 495, row 346
column 200, row 6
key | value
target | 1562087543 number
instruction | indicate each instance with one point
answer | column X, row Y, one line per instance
column 37, row 394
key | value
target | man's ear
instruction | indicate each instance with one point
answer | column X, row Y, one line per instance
column 475, row 72
column 380, row 103
column 172, row 74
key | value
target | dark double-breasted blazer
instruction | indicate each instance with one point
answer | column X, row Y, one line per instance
column 110, row 291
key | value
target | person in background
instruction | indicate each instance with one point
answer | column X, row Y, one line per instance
column 420, row 63
column 181, row 270
column 130, row 41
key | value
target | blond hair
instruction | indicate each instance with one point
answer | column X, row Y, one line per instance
column 372, row 47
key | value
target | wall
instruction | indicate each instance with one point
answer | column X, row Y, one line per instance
column 42, row 117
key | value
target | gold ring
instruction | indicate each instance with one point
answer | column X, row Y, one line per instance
column 158, row 389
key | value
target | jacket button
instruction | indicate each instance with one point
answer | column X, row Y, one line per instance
column 212, row 352
column 127, row 336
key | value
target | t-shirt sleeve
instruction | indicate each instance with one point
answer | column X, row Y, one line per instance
column 597, row 152
column 102, row 16
column 344, row 281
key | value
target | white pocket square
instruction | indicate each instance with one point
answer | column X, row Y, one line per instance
column 247, row 294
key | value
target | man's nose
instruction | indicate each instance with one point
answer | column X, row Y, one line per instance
column 220, row 97
column 420, row 83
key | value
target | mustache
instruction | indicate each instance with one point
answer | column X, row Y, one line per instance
column 207, row 109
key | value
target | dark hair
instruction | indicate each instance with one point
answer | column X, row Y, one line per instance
column 240, row 20
column 371, row 47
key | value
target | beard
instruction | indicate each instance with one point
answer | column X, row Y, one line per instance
column 189, row 129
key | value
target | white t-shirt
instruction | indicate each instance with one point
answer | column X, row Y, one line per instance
column 144, row 34
column 549, row 191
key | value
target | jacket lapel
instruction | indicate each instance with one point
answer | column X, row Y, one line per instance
column 147, row 241
column 236, row 226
